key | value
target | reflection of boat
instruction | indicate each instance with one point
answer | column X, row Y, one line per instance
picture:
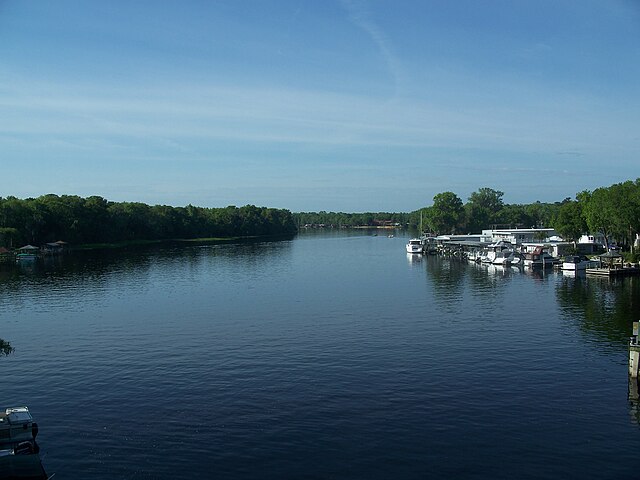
column 411, row 258
column 538, row 259
column 18, row 448
column 474, row 256
column 415, row 246
column 577, row 262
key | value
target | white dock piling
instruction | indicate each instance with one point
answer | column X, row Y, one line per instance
column 634, row 352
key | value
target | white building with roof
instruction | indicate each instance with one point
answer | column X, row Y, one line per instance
column 518, row 236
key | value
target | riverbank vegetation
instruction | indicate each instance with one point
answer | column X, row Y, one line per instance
column 5, row 348
column 613, row 211
column 351, row 220
column 95, row 220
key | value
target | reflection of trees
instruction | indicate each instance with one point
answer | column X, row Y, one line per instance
column 447, row 275
column 5, row 348
column 605, row 307
column 450, row 274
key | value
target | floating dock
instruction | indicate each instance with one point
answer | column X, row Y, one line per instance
column 613, row 272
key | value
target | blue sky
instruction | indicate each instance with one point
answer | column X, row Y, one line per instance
column 345, row 105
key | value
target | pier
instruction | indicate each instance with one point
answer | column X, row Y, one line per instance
column 613, row 272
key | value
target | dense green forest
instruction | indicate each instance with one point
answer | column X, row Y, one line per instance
column 613, row 211
column 341, row 219
column 94, row 219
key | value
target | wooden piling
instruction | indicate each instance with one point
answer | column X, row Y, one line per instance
column 634, row 352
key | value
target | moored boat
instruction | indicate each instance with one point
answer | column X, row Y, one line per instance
column 18, row 448
column 415, row 245
column 506, row 257
column 577, row 262
column 538, row 259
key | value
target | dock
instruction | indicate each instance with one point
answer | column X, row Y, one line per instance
column 613, row 272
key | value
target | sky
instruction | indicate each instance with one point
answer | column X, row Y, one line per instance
column 335, row 105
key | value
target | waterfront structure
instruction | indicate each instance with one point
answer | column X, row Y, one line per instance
column 518, row 236
column 28, row 252
column 523, row 240
column 555, row 249
column 576, row 262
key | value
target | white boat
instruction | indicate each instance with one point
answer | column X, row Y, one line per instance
column 415, row 245
column 577, row 262
column 538, row 259
column 506, row 257
column 494, row 253
column 517, row 260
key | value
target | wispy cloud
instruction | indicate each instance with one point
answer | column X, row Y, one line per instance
column 360, row 15
column 193, row 120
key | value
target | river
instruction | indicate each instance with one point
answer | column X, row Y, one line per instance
column 333, row 355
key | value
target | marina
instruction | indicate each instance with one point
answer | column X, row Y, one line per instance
column 516, row 248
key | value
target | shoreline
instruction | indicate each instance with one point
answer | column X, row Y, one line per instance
column 142, row 243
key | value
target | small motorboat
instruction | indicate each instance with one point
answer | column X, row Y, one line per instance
column 18, row 448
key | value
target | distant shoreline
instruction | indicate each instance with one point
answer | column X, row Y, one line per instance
column 141, row 243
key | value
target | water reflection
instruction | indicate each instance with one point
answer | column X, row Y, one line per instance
column 606, row 308
column 249, row 357
column 130, row 271
column 447, row 275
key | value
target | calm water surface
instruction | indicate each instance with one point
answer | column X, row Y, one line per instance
column 333, row 355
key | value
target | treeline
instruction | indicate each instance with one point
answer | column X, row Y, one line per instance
column 613, row 211
column 94, row 219
column 341, row 219
column 484, row 209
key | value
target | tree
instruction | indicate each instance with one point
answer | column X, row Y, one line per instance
column 625, row 201
column 483, row 208
column 446, row 213
column 515, row 216
column 569, row 221
column 541, row 214
column 598, row 211
column 7, row 236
